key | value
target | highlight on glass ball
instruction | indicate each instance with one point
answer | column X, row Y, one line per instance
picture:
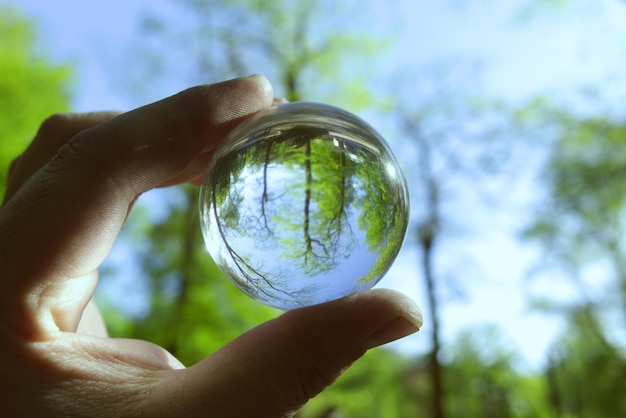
column 303, row 203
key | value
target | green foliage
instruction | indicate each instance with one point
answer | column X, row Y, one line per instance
column 378, row 387
column 581, row 226
column 305, row 48
column 31, row 87
column 580, row 222
column 309, row 197
column 587, row 373
column 381, row 219
column 482, row 380
column 480, row 375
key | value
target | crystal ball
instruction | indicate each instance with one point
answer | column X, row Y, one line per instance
column 303, row 203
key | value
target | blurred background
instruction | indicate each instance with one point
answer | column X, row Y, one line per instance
column 509, row 120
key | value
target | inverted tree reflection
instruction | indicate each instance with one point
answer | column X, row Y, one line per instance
column 297, row 206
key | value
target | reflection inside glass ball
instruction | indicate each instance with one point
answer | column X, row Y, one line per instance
column 302, row 204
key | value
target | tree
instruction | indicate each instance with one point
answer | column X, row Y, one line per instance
column 306, row 49
column 580, row 226
column 580, row 223
column 31, row 86
column 456, row 136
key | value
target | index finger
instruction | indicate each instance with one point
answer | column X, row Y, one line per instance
column 61, row 224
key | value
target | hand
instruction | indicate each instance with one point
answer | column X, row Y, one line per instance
column 67, row 198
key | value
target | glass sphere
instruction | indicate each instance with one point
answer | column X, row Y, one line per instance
column 303, row 203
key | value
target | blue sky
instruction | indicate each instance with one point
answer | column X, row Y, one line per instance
column 551, row 52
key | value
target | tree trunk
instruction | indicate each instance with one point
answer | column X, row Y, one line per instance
column 426, row 240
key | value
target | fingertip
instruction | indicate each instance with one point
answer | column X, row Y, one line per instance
column 402, row 303
column 261, row 84
column 279, row 101
column 241, row 97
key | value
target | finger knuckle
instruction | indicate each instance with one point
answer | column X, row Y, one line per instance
column 315, row 378
column 306, row 381
column 81, row 148
column 55, row 124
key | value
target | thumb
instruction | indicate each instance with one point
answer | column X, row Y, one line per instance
column 276, row 368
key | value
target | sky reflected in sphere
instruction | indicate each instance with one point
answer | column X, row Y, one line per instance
column 302, row 204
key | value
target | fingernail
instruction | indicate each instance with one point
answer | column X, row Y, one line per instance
column 393, row 330
column 279, row 100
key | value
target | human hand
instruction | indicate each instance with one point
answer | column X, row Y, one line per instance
column 67, row 198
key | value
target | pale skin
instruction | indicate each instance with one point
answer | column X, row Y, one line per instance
column 67, row 197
